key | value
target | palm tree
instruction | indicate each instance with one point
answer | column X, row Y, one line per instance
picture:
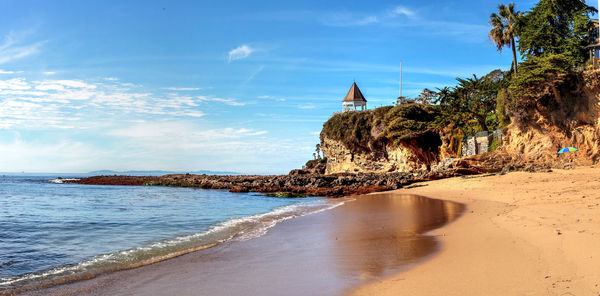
column 503, row 29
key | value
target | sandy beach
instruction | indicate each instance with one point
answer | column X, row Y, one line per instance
column 515, row 234
column 326, row 253
column 522, row 234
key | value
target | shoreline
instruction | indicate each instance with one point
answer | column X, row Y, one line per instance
column 235, row 228
column 298, row 183
column 324, row 253
column 522, row 234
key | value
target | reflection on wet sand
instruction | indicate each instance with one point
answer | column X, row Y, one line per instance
column 387, row 233
column 321, row 254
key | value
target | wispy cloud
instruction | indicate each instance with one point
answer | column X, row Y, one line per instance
column 79, row 104
column 14, row 47
column 49, row 73
column 230, row 102
column 401, row 10
column 347, row 19
column 183, row 88
column 272, row 98
column 253, row 75
column 184, row 135
column 363, row 67
column 384, row 17
column 240, row 52
column 6, row 72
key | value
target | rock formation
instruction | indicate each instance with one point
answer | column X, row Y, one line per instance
column 565, row 112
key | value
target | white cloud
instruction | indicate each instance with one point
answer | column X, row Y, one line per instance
column 347, row 19
column 6, row 72
column 58, row 103
column 13, row 48
column 63, row 84
column 183, row 88
column 230, row 102
column 49, row 73
column 130, row 126
column 240, row 52
column 401, row 10
column 384, row 17
column 14, row 84
column 183, row 135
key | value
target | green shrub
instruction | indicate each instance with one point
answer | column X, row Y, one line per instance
column 359, row 131
column 351, row 128
column 314, row 162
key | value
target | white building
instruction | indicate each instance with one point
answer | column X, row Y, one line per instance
column 354, row 100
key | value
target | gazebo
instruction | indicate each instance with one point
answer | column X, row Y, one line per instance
column 354, row 100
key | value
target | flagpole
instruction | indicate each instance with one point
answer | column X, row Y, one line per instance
column 400, row 92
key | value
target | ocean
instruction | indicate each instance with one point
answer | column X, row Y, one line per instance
column 54, row 233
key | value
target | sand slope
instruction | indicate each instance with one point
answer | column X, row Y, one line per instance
column 522, row 234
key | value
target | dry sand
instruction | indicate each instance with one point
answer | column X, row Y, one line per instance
column 521, row 234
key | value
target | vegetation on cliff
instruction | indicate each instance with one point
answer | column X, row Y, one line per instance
column 365, row 130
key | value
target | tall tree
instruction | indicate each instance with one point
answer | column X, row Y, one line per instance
column 556, row 27
column 503, row 31
column 473, row 99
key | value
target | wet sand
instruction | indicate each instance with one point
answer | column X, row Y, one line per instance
column 327, row 253
column 521, row 234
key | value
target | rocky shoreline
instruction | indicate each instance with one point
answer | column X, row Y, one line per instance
column 307, row 182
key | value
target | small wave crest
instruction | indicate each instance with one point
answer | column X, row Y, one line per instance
column 235, row 229
column 62, row 180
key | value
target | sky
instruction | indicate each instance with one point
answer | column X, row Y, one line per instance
column 239, row 86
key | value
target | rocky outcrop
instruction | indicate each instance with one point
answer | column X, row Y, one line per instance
column 296, row 184
column 571, row 120
column 415, row 154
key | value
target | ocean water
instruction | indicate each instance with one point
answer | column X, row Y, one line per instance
column 53, row 233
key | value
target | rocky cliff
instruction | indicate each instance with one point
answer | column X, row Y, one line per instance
column 564, row 112
column 408, row 156
column 387, row 139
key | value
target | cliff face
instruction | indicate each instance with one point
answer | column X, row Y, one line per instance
column 414, row 154
column 565, row 113
column 535, row 136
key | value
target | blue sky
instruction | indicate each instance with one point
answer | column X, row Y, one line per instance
column 222, row 85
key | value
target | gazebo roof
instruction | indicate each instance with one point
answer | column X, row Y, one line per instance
column 354, row 94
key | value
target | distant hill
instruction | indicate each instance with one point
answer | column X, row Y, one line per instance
column 158, row 173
